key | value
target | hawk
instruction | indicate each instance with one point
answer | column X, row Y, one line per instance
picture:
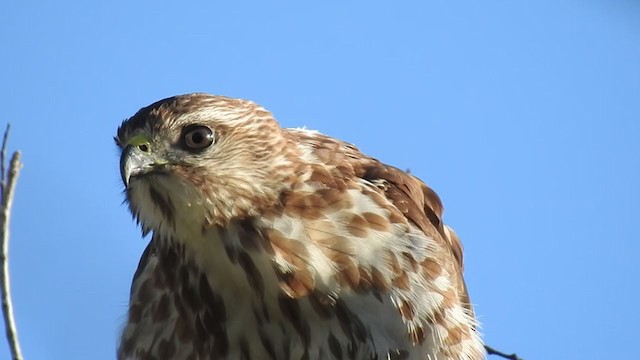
column 275, row 243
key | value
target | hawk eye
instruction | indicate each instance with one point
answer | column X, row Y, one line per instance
column 197, row 137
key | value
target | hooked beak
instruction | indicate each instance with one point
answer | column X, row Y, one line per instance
column 135, row 161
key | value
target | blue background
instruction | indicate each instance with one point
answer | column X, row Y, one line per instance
column 524, row 116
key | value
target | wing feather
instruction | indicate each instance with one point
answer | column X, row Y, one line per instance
column 419, row 204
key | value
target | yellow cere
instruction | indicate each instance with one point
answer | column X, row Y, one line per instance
column 138, row 140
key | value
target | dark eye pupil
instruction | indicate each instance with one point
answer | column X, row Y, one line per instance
column 197, row 137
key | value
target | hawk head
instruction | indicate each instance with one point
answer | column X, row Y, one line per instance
column 203, row 157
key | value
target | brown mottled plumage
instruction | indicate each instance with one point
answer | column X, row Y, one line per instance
column 272, row 243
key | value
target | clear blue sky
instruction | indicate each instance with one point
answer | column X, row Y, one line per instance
column 524, row 116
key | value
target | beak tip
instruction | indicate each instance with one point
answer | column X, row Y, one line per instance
column 127, row 165
column 134, row 162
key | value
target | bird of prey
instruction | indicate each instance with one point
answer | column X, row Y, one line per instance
column 276, row 243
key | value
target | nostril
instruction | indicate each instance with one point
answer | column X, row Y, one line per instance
column 143, row 147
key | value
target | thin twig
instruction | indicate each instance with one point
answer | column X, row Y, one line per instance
column 492, row 351
column 3, row 155
column 7, row 187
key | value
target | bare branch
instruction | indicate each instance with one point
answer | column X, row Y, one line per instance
column 492, row 351
column 8, row 180
column 3, row 155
